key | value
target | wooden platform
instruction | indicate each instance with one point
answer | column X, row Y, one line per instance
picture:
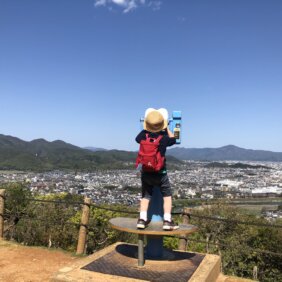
column 154, row 231
column 118, row 263
column 154, row 228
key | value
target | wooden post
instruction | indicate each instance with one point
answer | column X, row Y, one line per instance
column 83, row 227
column 219, row 253
column 2, row 206
column 255, row 273
column 182, row 245
column 207, row 242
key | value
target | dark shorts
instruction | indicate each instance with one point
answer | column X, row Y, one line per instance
column 151, row 180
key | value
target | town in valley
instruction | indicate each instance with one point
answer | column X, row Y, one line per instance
column 228, row 180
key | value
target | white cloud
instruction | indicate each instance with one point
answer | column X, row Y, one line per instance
column 131, row 5
column 120, row 2
column 155, row 5
column 128, row 5
column 100, row 3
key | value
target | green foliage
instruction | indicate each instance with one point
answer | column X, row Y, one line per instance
column 171, row 243
column 57, row 225
column 100, row 233
column 16, row 204
column 48, row 224
column 234, row 242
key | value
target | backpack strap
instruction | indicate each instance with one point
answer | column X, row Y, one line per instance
column 158, row 139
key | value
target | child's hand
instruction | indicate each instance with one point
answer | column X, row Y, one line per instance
column 169, row 133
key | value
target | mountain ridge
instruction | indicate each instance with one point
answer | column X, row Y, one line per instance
column 224, row 153
column 41, row 155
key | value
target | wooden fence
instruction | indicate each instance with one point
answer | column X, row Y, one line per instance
column 84, row 222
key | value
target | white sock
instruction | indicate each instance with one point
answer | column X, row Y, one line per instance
column 167, row 216
column 143, row 215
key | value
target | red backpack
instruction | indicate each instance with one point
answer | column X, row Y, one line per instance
column 149, row 155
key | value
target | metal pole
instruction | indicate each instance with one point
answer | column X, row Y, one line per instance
column 141, row 259
column 154, row 248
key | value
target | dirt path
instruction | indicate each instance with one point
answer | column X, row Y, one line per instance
column 28, row 264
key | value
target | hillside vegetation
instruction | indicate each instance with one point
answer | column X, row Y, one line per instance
column 55, row 224
column 41, row 155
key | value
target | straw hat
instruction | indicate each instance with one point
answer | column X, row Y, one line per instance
column 154, row 120
column 164, row 112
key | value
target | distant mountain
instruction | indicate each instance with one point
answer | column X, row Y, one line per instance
column 94, row 149
column 40, row 155
column 225, row 153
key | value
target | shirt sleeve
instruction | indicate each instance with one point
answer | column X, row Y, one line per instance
column 166, row 142
column 140, row 136
column 171, row 141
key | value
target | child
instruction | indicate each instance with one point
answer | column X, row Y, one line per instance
column 154, row 174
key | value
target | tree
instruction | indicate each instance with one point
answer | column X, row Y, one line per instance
column 16, row 206
column 236, row 243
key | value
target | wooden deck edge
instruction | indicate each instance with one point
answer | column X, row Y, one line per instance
column 226, row 278
column 208, row 270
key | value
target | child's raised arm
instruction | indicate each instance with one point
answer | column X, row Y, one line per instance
column 169, row 133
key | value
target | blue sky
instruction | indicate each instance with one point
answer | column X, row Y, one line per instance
column 85, row 71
